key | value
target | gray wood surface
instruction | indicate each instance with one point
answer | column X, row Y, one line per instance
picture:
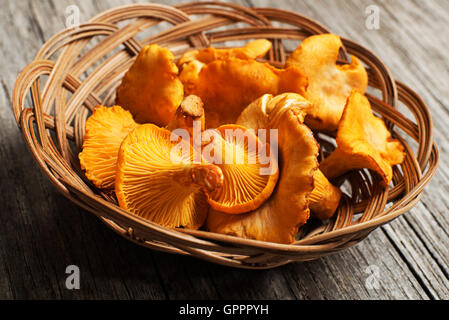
column 41, row 232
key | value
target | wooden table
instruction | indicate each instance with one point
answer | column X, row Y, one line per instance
column 41, row 232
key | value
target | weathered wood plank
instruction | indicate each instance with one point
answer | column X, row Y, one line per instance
column 43, row 232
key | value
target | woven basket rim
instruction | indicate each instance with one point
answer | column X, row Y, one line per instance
column 53, row 110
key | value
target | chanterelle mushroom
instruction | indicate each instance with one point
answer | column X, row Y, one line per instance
column 105, row 130
column 363, row 141
column 330, row 84
column 251, row 50
column 278, row 219
column 227, row 86
column 325, row 197
column 250, row 169
column 193, row 61
column 151, row 89
column 158, row 180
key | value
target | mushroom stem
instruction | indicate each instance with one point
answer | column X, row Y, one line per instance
column 340, row 162
column 324, row 198
column 207, row 176
column 190, row 110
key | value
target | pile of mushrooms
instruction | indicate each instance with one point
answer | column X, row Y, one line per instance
column 145, row 149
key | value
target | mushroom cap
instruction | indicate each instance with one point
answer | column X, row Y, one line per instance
column 363, row 141
column 190, row 74
column 257, row 114
column 248, row 179
column 151, row 89
column 161, row 183
column 330, row 84
column 278, row 219
column 191, row 62
column 251, row 50
column 105, row 130
column 325, row 197
column 228, row 86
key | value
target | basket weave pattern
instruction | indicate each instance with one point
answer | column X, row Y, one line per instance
column 67, row 79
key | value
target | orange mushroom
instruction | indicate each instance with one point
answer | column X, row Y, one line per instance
column 325, row 197
column 363, row 141
column 278, row 219
column 250, row 169
column 330, row 84
column 151, row 89
column 228, row 86
column 193, row 61
column 257, row 114
column 251, row 50
column 105, row 130
column 159, row 181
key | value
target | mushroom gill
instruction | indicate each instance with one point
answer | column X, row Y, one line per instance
column 158, row 180
column 249, row 169
column 325, row 197
column 280, row 216
column 105, row 130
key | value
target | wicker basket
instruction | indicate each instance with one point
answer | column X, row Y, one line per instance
column 81, row 67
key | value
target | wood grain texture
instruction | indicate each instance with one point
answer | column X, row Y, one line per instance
column 41, row 232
